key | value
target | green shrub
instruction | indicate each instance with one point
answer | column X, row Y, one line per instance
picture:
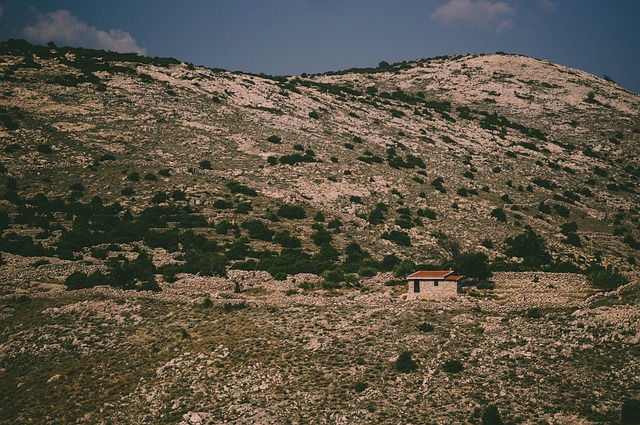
column 398, row 237
column 607, row 279
column 44, row 149
column 630, row 411
column 405, row 362
column 452, row 366
column 274, row 139
column 222, row 204
column 376, row 216
column 404, row 268
column 286, row 240
column 238, row 188
column 499, row 214
column 367, row 272
column 426, row 327
column 321, row 237
column 291, row 211
column 77, row 280
column 205, row 164
column 258, row 230
column 485, row 284
column 533, row 313
column 360, row 386
column 230, row 307
column 491, row 416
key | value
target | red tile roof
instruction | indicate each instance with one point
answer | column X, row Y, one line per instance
column 454, row 278
column 430, row 274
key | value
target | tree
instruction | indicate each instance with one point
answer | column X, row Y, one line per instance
column 473, row 265
column 529, row 246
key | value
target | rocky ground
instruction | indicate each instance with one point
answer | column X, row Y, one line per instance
column 542, row 347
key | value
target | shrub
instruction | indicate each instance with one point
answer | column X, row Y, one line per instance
column 398, row 237
column 376, row 216
column 630, row 411
column 150, row 177
column 274, row 139
column 485, row 284
column 77, row 280
column 229, row 307
column 547, row 184
column 405, row 363
column 291, row 211
column 134, row 176
column 334, row 224
column 607, row 279
column 160, row 197
column 403, row 268
column 499, row 214
column 426, row 327
column 452, row 366
column 533, row 313
column 360, row 386
column 236, row 187
column 44, row 149
column 491, row 416
column 286, row 240
column 321, row 237
column 205, row 164
column 367, row 272
column 258, row 230
column 314, row 115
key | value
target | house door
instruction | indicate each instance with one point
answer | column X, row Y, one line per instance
column 416, row 286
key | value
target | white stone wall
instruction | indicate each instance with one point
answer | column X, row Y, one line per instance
column 445, row 289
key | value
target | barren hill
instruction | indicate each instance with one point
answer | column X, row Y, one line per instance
column 198, row 245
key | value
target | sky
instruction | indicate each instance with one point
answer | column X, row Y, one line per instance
column 290, row 37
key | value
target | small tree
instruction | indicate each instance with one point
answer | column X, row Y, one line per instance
column 473, row 265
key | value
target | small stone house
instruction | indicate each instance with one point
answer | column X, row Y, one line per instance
column 433, row 284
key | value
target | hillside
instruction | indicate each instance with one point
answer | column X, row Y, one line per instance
column 247, row 232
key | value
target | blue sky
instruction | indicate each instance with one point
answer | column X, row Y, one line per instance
column 296, row 36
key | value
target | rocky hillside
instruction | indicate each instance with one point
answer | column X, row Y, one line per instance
column 196, row 246
column 476, row 148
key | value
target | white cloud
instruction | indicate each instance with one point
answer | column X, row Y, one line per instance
column 63, row 28
column 482, row 14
